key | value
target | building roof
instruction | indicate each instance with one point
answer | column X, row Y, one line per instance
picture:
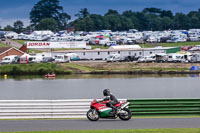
column 5, row 49
column 2, row 50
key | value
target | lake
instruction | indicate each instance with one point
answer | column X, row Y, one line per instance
column 91, row 87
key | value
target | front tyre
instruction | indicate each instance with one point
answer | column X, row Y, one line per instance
column 93, row 115
column 125, row 114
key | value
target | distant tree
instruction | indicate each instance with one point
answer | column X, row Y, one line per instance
column 154, row 22
column 152, row 10
column 111, row 12
column 47, row 24
column 8, row 28
column 18, row 26
column 114, row 22
column 98, row 22
column 143, row 20
column 167, row 14
column 82, row 13
column 128, row 13
column 49, row 9
column 166, row 23
column 29, row 29
column 181, row 21
column 126, row 24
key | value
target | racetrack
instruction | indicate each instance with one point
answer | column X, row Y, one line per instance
column 84, row 124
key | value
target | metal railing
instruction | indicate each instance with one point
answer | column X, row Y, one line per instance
column 158, row 107
column 77, row 108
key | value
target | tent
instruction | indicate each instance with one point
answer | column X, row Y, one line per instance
column 193, row 68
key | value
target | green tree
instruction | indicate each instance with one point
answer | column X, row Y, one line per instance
column 166, row 23
column 18, row 26
column 152, row 10
column 181, row 21
column 47, row 24
column 98, row 22
column 8, row 28
column 83, row 13
column 128, row 13
column 167, row 14
column 154, row 22
column 113, row 21
column 111, row 12
column 49, row 9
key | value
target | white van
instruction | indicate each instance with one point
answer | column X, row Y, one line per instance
column 10, row 59
column 62, row 58
column 35, row 59
column 114, row 58
column 176, row 58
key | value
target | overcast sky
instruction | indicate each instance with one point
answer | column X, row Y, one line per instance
column 12, row 10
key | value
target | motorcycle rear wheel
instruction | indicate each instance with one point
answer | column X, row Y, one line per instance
column 126, row 115
column 93, row 115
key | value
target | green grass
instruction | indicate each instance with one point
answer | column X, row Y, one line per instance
column 149, row 45
column 33, row 51
column 174, row 130
column 162, row 69
column 146, row 45
column 3, row 45
column 78, row 67
column 99, row 46
column 21, row 41
column 32, row 69
column 179, row 44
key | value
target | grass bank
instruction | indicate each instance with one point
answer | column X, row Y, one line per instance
column 98, row 68
column 177, row 44
column 3, row 45
column 32, row 69
column 175, row 130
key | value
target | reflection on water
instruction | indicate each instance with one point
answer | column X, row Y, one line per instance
column 91, row 76
column 91, row 86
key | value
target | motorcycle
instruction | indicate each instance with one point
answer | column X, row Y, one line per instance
column 98, row 109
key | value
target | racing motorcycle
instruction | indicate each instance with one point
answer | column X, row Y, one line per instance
column 98, row 109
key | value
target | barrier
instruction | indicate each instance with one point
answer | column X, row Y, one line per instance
column 77, row 108
column 142, row 107
column 32, row 109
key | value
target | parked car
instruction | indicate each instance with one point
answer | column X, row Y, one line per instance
column 62, row 58
column 128, row 59
column 114, row 58
column 10, row 59
column 47, row 59
column 76, row 58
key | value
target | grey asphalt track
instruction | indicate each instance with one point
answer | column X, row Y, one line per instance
column 84, row 124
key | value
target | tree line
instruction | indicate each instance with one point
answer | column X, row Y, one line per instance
column 49, row 15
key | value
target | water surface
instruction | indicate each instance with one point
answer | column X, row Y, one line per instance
column 91, row 86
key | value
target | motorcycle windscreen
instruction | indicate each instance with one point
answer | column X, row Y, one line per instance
column 105, row 112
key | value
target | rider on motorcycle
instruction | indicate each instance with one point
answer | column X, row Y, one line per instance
column 113, row 100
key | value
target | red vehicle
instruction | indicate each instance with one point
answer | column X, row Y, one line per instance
column 98, row 109
column 50, row 75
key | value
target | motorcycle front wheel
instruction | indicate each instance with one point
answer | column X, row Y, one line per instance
column 125, row 114
column 93, row 115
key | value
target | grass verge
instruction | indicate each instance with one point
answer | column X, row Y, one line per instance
column 32, row 69
column 175, row 130
column 3, row 45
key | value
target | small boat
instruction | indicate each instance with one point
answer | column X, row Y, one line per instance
column 50, row 75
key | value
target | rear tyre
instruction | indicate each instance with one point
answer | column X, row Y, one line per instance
column 125, row 114
column 93, row 115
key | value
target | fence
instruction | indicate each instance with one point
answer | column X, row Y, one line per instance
column 30, row 109
column 142, row 107
column 77, row 108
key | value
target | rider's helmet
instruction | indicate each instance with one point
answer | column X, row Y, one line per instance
column 106, row 92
